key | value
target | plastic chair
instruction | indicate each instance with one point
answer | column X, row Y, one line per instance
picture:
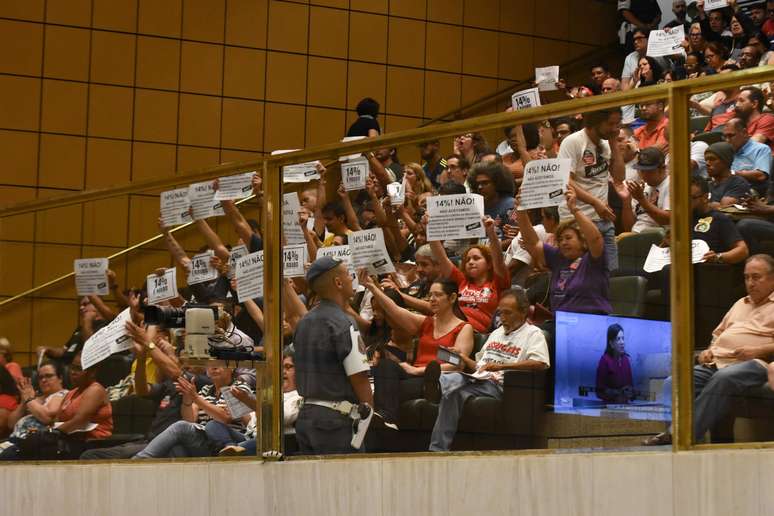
column 627, row 295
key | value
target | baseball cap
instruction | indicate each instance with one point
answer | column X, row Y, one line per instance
column 649, row 158
column 320, row 266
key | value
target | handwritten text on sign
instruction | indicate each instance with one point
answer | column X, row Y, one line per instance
column 545, row 181
column 455, row 217
column 91, row 276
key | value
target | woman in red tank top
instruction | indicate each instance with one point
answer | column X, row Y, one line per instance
column 447, row 326
column 84, row 406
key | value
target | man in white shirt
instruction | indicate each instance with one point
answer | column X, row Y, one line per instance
column 516, row 345
column 647, row 207
column 593, row 161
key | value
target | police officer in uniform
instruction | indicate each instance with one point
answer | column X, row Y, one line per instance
column 331, row 366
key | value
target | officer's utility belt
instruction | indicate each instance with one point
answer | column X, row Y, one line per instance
column 360, row 415
column 342, row 407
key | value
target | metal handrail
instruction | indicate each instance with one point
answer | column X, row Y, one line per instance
column 681, row 278
column 409, row 136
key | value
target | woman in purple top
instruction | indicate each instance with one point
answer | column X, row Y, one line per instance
column 614, row 372
column 579, row 274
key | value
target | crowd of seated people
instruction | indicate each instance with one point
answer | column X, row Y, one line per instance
column 445, row 293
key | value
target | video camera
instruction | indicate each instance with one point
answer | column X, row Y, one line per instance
column 201, row 339
column 199, row 322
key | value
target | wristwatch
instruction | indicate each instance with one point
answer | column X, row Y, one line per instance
column 720, row 258
column 151, row 346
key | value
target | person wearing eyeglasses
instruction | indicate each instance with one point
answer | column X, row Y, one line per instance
column 36, row 411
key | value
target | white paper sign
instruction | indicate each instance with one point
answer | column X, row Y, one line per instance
column 249, row 276
column 547, row 77
column 161, row 288
column 201, row 269
column 397, row 193
column 295, row 259
column 544, row 184
column 91, row 276
column 290, row 227
column 237, row 252
column 236, row 408
column 109, row 339
column 525, row 99
column 658, row 257
column 368, row 250
column 453, row 217
column 354, row 174
column 711, row 5
column 350, row 139
column 203, row 203
column 300, row 173
column 175, row 207
column 235, row 187
column 666, row 42
column 342, row 253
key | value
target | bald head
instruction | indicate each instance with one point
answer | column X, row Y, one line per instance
column 611, row 85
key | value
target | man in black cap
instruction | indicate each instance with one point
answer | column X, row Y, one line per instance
column 650, row 205
column 331, row 366
column 726, row 188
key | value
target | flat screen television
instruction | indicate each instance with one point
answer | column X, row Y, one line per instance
column 623, row 379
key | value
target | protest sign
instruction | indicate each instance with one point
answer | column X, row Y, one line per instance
column 202, row 199
column 300, row 173
column 525, row 99
column 201, row 269
column 342, row 253
column 235, row 187
column 109, row 339
column 354, row 174
column 249, row 276
column 175, row 207
column 290, row 208
column 91, row 276
column 711, row 5
column 658, row 257
column 544, row 184
column 666, row 42
column 397, row 193
column 161, row 288
column 453, row 217
column 236, row 408
column 236, row 253
column 295, row 259
column 369, row 250
column 547, row 77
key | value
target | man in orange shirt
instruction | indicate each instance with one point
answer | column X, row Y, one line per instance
column 736, row 359
column 653, row 133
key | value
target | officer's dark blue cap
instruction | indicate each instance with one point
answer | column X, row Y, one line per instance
column 320, row 266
